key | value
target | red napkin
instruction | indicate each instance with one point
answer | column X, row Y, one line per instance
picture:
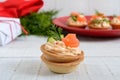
column 19, row 8
column 11, row 12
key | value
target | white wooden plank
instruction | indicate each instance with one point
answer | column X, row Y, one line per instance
column 100, row 46
column 28, row 46
column 14, row 52
column 31, row 68
column 33, row 52
column 7, row 67
column 3, row 51
column 27, row 70
column 97, row 70
column 78, row 74
column 46, row 74
column 113, row 64
column 33, row 46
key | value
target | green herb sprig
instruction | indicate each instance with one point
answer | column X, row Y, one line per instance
column 55, row 32
column 40, row 23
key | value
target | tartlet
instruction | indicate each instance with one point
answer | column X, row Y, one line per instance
column 99, row 21
column 77, row 20
column 57, row 57
column 62, row 56
column 62, row 67
column 115, row 22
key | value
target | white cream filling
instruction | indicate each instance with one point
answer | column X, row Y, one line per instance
column 60, row 48
column 102, row 24
column 115, row 21
column 70, row 21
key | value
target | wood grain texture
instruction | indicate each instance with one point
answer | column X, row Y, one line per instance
column 20, row 60
column 100, row 68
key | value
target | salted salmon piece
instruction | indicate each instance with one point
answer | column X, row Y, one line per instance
column 74, row 14
column 71, row 40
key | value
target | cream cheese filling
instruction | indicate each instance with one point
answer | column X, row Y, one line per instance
column 115, row 21
column 60, row 48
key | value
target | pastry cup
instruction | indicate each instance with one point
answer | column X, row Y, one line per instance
column 75, row 25
column 71, row 23
column 62, row 67
column 115, row 26
column 98, row 28
column 56, row 57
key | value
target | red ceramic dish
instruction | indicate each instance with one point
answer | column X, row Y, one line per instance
column 61, row 22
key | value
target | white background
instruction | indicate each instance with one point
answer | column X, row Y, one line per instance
column 88, row 7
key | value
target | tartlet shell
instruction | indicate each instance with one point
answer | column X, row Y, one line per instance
column 62, row 67
column 60, row 58
column 115, row 26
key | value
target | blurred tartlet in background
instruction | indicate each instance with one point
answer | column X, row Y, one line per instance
column 77, row 20
column 99, row 21
column 115, row 22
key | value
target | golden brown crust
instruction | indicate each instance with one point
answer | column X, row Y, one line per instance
column 60, row 58
column 64, row 63
column 115, row 26
column 62, row 67
column 99, row 28
column 73, row 23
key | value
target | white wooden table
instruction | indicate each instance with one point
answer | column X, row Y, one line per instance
column 20, row 60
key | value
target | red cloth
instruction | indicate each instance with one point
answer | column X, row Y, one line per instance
column 19, row 8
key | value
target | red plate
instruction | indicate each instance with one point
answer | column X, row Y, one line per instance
column 61, row 22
